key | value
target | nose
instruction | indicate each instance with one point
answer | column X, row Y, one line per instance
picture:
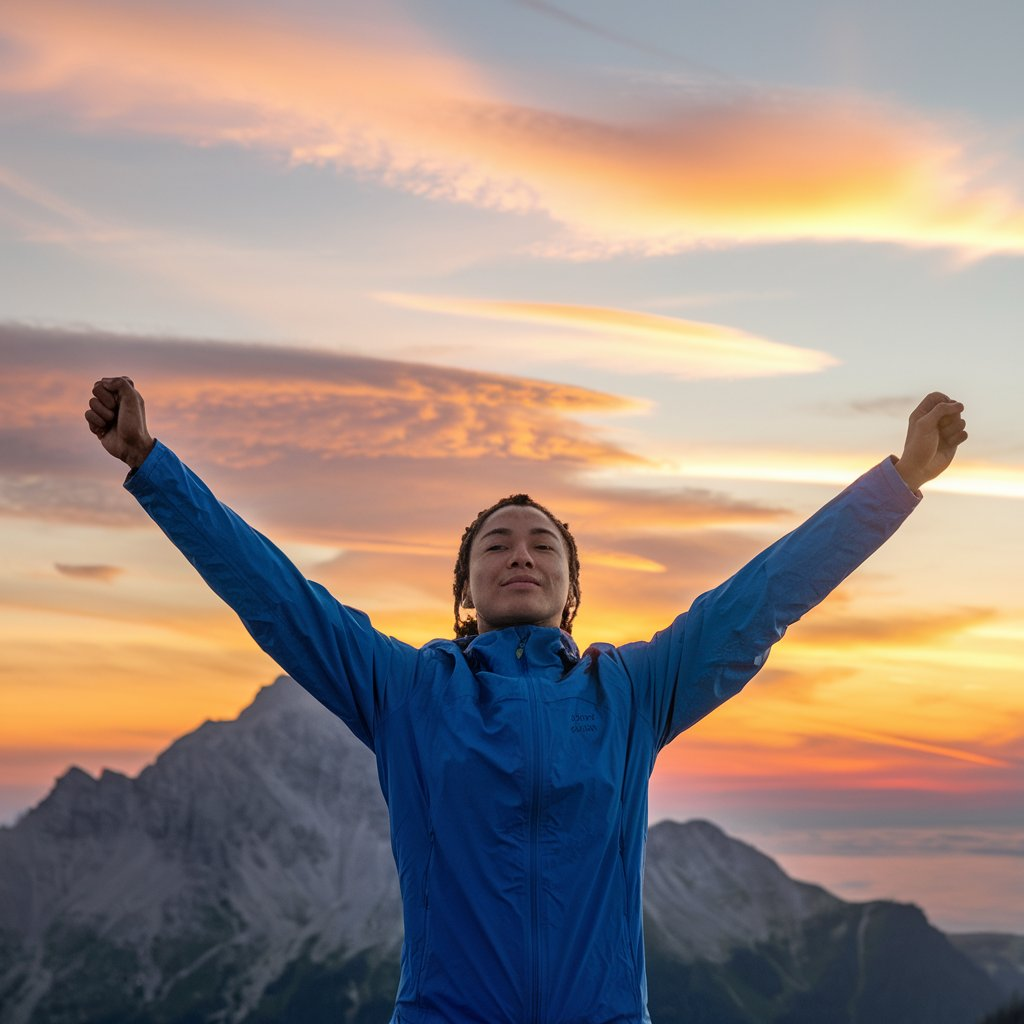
column 519, row 556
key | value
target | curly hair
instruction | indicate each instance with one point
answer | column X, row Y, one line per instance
column 468, row 626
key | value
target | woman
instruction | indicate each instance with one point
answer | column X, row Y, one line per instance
column 515, row 770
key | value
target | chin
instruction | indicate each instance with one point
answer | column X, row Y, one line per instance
column 507, row 621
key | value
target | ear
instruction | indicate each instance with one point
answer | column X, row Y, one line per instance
column 467, row 599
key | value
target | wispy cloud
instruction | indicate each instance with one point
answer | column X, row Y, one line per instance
column 827, row 753
column 888, row 739
column 890, row 405
column 628, row 341
column 733, row 165
column 102, row 573
column 908, row 841
column 43, row 216
column 839, row 629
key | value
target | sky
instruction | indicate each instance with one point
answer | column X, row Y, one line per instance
column 680, row 271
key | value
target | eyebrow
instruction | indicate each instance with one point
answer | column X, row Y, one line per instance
column 505, row 531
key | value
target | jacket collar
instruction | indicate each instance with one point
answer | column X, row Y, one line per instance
column 544, row 647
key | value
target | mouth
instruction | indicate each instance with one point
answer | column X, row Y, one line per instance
column 521, row 581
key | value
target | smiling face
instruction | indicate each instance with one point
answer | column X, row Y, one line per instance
column 518, row 570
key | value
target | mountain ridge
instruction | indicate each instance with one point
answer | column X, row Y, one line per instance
column 249, row 868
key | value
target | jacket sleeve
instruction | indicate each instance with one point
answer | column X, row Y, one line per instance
column 709, row 653
column 331, row 650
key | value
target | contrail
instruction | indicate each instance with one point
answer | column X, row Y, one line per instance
column 568, row 18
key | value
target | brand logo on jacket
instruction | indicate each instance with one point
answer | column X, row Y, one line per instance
column 583, row 722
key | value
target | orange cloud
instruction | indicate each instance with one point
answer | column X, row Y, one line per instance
column 836, row 629
column 736, row 166
column 103, row 573
column 631, row 342
column 266, row 403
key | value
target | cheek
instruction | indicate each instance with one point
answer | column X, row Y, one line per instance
column 563, row 580
column 475, row 579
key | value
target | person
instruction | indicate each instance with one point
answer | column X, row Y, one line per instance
column 514, row 769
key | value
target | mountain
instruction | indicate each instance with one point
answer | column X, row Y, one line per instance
column 248, row 849
column 733, row 940
column 1001, row 956
column 246, row 878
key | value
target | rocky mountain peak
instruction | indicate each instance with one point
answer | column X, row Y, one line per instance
column 707, row 894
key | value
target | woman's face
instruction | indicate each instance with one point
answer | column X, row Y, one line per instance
column 518, row 570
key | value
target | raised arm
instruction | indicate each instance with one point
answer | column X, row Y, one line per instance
column 710, row 652
column 330, row 649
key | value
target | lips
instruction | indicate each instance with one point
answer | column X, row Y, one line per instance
column 520, row 579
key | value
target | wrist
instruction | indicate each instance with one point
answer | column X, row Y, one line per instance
column 137, row 454
column 912, row 477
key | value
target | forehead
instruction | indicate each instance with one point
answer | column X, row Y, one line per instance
column 519, row 520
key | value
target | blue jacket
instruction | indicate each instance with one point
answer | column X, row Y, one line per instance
column 515, row 770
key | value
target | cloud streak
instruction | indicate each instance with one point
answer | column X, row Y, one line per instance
column 45, row 217
column 839, row 630
column 966, row 476
column 885, row 739
column 101, row 573
column 628, row 341
column 732, row 166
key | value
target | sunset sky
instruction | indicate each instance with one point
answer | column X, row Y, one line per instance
column 679, row 270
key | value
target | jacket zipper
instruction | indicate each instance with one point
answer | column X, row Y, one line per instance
column 538, row 775
column 426, row 918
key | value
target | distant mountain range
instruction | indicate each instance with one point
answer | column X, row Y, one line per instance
column 246, row 878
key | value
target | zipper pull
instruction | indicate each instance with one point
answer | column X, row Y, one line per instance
column 519, row 651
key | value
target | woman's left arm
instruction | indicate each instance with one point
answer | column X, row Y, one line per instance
column 709, row 653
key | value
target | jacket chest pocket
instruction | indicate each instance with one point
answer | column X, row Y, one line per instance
column 584, row 753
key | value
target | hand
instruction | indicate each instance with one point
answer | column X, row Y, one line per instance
column 117, row 416
column 936, row 430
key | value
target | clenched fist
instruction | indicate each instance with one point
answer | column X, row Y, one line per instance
column 117, row 416
column 936, row 431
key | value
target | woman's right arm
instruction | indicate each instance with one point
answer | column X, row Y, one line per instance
column 331, row 650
